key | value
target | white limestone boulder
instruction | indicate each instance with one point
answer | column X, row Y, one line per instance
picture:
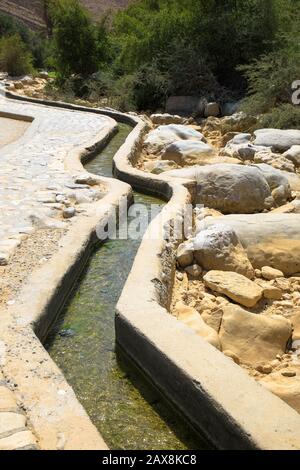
column 218, row 248
column 158, row 139
column 241, row 138
column 238, row 288
column 229, row 188
column 185, row 152
column 157, row 167
column 278, row 183
column 190, row 317
column 293, row 154
column 277, row 139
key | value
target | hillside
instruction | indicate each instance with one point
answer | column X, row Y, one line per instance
column 32, row 12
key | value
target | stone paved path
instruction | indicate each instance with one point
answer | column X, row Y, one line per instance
column 14, row 433
column 34, row 186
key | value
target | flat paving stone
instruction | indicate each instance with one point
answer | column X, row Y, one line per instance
column 11, row 423
column 23, row 440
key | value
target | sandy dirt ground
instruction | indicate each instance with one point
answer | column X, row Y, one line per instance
column 11, row 130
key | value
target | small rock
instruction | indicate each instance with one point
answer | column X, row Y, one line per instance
column 165, row 119
column 185, row 255
column 191, row 318
column 86, row 178
column 272, row 293
column 275, row 363
column 44, row 75
column 235, row 286
column 69, row 333
column 288, row 373
column 195, row 270
column 179, row 276
column 232, row 356
column 69, row 212
column 258, row 273
column 157, row 167
column 271, row 273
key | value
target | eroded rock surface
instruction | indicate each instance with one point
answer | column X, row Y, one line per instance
column 253, row 338
column 235, row 286
column 270, row 239
column 219, row 248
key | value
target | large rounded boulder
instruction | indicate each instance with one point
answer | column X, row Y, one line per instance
column 158, row 139
column 188, row 152
column 277, row 139
column 232, row 188
column 218, row 248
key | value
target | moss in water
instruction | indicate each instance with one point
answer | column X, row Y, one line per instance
column 127, row 411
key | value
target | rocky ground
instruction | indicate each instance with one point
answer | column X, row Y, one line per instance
column 237, row 282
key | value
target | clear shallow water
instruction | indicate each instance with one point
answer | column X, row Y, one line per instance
column 127, row 411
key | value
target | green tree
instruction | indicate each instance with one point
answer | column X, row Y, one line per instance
column 15, row 59
column 35, row 42
column 74, row 39
column 222, row 34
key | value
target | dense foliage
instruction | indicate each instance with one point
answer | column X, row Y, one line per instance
column 14, row 56
column 35, row 42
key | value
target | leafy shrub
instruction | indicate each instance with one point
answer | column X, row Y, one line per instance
column 74, row 39
column 150, row 87
column 15, row 59
column 285, row 116
column 224, row 34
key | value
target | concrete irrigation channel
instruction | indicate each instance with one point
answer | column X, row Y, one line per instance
column 126, row 409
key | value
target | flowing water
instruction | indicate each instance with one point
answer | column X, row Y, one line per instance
column 126, row 409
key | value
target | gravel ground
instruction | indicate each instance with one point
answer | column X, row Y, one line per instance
column 35, row 250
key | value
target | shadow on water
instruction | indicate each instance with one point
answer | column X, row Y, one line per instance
column 126, row 409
